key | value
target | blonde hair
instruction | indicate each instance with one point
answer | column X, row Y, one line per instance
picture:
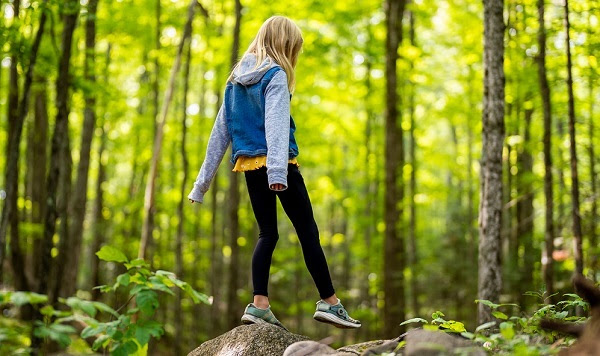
column 281, row 39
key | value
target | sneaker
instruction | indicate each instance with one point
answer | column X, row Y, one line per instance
column 335, row 315
column 254, row 315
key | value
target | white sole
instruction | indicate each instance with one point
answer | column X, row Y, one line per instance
column 337, row 322
column 251, row 319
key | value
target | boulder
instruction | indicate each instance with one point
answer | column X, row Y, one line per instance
column 249, row 340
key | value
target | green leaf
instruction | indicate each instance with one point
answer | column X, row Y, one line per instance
column 507, row 330
column 47, row 310
column 147, row 328
column 468, row 335
column 100, row 342
column 499, row 315
column 488, row 303
column 57, row 332
column 414, row 320
column 83, row 305
column 124, row 349
column 138, row 262
column 123, row 279
column 92, row 330
column 21, row 298
column 147, row 301
column 105, row 308
column 111, row 254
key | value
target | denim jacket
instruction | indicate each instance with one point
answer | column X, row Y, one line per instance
column 255, row 118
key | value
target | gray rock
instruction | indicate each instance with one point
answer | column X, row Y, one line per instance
column 425, row 343
column 249, row 340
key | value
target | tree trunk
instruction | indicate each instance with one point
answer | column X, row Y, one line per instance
column 216, row 255
column 60, row 143
column 38, row 146
column 152, row 174
column 525, row 214
column 413, row 256
column 394, row 254
column 547, row 261
column 490, row 207
column 234, row 202
column 99, row 222
column 179, row 327
column 17, row 111
column 77, row 207
column 592, row 157
column 576, row 216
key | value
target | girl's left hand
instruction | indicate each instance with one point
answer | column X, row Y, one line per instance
column 277, row 186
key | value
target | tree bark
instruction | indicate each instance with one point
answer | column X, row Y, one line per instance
column 575, row 212
column 38, row 146
column 152, row 174
column 413, row 256
column 547, row 261
column 234, row 201
column 594, row 210
column 179, row 320
column 78, row 204
column 394, row 254
column 525, row 214
column 493, row 131
column 17, row 111
column 59, row 147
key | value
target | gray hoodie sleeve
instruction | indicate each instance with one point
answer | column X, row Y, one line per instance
column 277, row 128
column 217, row 145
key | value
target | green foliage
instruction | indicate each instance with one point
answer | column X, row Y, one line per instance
column 125, row 331
column 514, row 335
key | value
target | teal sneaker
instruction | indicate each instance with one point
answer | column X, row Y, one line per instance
column 254, row 315
column 335, row 315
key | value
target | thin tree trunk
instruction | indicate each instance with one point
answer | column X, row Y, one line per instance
column 152, row 175
column 77, row 207
column 547, row 261
column 413, row 256
column 234, row 202
column 16, row 118
column 576, row 216
column 592, row 157
column 525, row 214
column 99, row 222
column 38, row 144
column 179, row 326
column 490, row 208
column 58, row 173
column 216, row 256
column 394, row 254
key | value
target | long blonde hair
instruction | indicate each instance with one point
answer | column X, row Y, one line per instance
column 281, row 39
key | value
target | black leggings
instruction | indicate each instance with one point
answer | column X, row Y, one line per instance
column 296, row 204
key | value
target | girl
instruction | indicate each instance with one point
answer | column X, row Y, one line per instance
column 255, row 118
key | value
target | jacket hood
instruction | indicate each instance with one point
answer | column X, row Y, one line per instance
column 245, row 74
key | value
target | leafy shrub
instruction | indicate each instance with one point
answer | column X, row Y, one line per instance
column 128, row 329
column 514, row 335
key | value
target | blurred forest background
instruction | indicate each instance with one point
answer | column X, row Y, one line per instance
column 105, row 113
